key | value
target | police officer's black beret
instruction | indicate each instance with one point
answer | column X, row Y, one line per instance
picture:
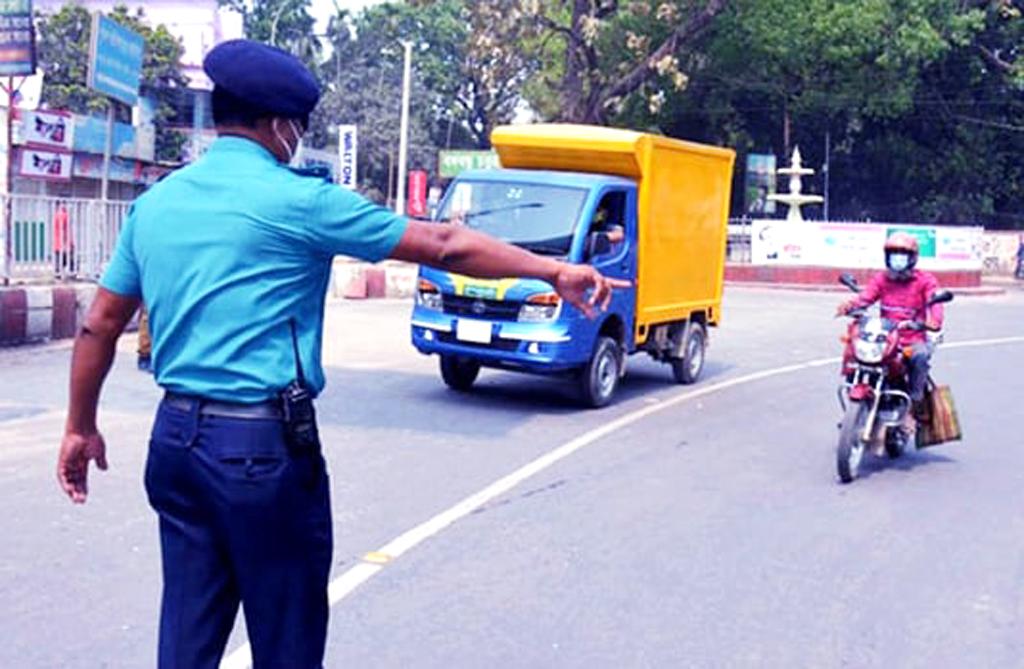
column 271, row 80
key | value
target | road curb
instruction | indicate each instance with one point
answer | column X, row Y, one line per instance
column 34, row 314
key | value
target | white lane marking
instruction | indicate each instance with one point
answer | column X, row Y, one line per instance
column 344, row 585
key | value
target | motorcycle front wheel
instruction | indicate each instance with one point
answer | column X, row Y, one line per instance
column 850, row 450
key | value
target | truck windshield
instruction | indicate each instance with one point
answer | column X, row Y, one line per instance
column 536, row 217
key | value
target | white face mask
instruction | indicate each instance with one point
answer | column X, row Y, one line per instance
column 293, row 153
column 899, row 261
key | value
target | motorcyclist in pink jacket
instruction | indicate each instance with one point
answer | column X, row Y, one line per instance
column 904, row 292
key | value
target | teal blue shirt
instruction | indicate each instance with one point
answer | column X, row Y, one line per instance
column 225, row 252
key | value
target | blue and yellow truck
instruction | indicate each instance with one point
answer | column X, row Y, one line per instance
column 637, row 206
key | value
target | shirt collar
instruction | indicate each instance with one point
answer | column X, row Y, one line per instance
column 233, row 144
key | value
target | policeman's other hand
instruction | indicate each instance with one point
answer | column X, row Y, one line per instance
column 843, row 309
column 585, row 288
column 76, row 450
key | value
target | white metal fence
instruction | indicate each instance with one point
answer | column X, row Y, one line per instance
column 48, row 238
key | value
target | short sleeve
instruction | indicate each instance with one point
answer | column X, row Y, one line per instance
column 122, row 275
column 345, row 223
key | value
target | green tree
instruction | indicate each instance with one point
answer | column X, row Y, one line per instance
column 286, row 24
column 595, row 55
column 63, row 54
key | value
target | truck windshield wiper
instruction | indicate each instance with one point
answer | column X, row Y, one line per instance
column 543, row 249
column 507, row 207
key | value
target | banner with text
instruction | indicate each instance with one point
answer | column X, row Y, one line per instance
column 17, row 38
column 859, row 245
column 348, row 147
column 451, row 163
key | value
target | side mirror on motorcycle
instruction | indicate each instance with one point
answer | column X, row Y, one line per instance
column 941, row 297
column 849, row 281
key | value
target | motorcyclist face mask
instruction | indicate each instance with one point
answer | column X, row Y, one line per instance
column 899, row 264
column 293, row 150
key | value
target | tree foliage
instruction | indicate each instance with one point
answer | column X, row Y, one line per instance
column 63, row 54
column 286, row 24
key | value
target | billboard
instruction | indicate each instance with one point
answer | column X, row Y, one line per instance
column 759, row 182
column 43, row 164
column 348, row 148
column 859, row 245
column 48, row 129
column 115, row 59
column 450, row 163
column 17, row 38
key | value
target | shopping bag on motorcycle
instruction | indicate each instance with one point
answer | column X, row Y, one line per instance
column 942, row 423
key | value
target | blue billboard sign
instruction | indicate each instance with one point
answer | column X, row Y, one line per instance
column 115, row 59
column 17, row 38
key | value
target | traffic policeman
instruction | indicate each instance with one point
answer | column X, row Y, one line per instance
column 231, row 256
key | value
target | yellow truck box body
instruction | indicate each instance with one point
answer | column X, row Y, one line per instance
column 683, row 192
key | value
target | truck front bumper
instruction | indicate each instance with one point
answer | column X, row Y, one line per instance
column 540, row 348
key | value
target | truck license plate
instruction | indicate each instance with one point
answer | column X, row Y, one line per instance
column 477, row 332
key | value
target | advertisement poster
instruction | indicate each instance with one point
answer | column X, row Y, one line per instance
column 348, row 147
column 859, row 245
column 41, row 164
column 48, row 129
column 759, row 183
column 417, row 204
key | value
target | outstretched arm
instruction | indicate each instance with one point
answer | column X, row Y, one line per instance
column 460, row 249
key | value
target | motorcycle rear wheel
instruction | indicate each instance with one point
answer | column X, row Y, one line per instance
column 850, row 450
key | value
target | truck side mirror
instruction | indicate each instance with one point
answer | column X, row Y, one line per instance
column 598, row 244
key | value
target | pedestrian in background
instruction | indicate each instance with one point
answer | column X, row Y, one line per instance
column 63, row 244
column 232, row 257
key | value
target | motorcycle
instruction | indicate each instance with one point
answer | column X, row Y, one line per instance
column 875, row 383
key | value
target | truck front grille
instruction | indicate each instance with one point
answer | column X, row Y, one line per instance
column 476, row 307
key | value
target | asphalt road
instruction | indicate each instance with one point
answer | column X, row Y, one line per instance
column 704, row 528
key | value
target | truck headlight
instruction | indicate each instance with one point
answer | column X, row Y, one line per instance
column 428, row 296
column 540, row 308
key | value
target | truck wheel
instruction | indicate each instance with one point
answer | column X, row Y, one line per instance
column 459, row 373
column 600, row 377
column 687, row 369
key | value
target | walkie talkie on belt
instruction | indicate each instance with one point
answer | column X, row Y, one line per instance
column 299, row 414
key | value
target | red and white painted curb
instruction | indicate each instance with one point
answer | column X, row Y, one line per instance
column 37, row 313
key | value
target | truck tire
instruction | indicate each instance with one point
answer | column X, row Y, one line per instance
column 687, row 369
column 459, row 373
column 600, row 376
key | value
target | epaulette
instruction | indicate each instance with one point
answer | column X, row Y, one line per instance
column 316, row 171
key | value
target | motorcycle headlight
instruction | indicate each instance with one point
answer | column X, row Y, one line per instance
column 870, row 352
column 540, row 308
column 428, row 296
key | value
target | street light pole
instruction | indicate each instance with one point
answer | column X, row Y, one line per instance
column 403, row 140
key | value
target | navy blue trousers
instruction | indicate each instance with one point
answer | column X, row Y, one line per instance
column 241, row 522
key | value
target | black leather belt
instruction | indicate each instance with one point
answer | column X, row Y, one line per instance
column 270, row 409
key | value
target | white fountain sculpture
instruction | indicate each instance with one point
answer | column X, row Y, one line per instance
column 795, row 199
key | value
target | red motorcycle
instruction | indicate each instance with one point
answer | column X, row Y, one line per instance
column 874, row 391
